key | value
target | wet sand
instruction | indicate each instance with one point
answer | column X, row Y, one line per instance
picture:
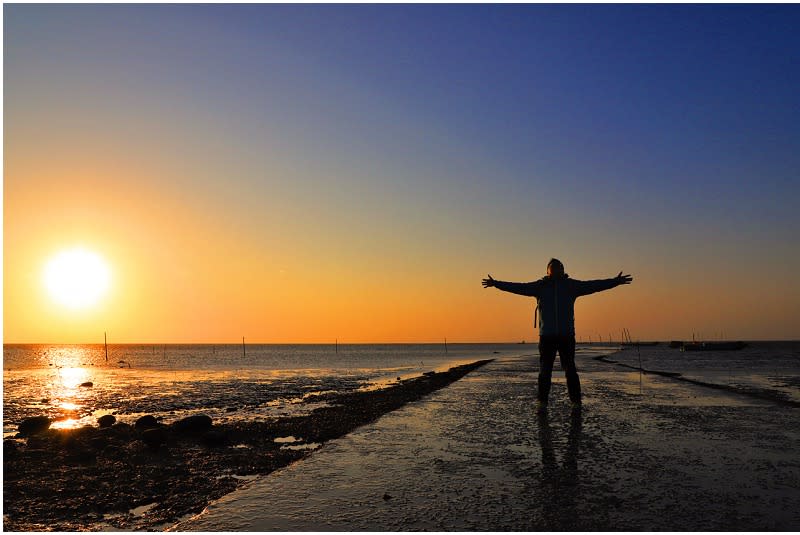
column 126, row 478
column 647, row 452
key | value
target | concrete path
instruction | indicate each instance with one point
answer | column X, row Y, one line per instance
column 475, row 456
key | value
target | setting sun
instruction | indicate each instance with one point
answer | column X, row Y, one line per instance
column 76, row 278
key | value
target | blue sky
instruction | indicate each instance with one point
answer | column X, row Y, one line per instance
column 396, row 140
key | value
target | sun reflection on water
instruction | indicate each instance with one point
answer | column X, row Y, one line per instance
column 71, row 378
column 69, row 423
column 68, row 393
column 69, row 406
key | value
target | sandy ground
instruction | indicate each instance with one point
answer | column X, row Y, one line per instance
column 663, row 455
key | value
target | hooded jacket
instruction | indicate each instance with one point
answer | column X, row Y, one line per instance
column 555, row 298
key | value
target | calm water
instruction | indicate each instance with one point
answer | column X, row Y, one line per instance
column 224, row 381
column 266, row 381
column 773, row 367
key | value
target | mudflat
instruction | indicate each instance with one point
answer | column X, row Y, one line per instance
column 646, row 452
column 142, row 477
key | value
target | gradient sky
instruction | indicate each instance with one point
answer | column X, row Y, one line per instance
column 310, row 172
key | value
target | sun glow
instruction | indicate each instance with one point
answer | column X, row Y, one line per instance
column 77, row 278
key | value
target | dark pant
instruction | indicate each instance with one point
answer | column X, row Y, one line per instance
column 565, row 346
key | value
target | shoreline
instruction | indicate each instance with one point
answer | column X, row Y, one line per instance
column 121, row 477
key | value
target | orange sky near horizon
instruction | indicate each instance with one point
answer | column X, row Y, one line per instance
column 187, row 271
column 242, row 181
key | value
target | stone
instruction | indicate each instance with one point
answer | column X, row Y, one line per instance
column 87, row 384
column 154, row 437
column 146, row 422
column 215, row 438
column 122, row 430
column 107, row 420
column 198, row 423
column 81, row 455
column 112, row 451
column 34, row 425
column 10, row 448
column 98, row 443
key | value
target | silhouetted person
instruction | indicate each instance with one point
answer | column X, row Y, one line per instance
column 555, row 297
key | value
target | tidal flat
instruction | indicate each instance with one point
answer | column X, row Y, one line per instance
column 145, row 477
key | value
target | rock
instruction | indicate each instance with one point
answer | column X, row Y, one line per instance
column 154, row 437
column 122, row 430
column 34, row 425
column 87, row 384
column 215, row 438
column 98, row 443
column 198, row 423
column 112, row 451
column 146, row 422
column 39, row 442
column 106, row 421
column 387, row 497
column 81, row 455
column 10, row 448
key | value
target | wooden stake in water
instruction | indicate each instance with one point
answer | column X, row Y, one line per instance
column 337, row 346
column 244, row 351
column 445, row 345
column 105, row 342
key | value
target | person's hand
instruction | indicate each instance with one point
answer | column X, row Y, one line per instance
column 488, row 283
column 623, row 279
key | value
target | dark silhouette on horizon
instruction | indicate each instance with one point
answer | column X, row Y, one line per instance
column 555, row 308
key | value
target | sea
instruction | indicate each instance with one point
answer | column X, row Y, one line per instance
column 76, row 384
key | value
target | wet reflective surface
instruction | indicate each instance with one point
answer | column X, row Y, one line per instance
column 75, row 385
column 655, row 455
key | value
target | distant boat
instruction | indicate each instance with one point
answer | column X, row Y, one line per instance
column 712, row 346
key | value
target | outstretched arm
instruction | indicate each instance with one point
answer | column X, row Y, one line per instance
column 530, row 289
column 590, row 287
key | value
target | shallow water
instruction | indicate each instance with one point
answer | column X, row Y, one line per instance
column 226, row 382
column 769, row 367
column 230, row 382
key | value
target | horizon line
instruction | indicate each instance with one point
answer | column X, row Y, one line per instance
column 440, row 342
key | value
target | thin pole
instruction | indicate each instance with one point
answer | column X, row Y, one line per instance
column 445, row 345
column 244, row 351
column 337, row 346
column 105, row 342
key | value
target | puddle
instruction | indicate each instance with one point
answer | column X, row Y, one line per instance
column 309, row 446
column 249, row 477
column 142, row 509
